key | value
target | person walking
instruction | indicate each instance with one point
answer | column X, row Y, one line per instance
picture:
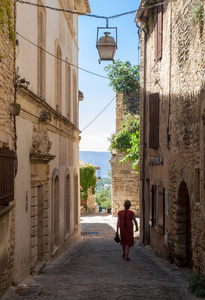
column 99, row 208
column 125, row 221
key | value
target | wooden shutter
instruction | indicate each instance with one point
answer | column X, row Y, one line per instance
column 154, row 121
column 7, row 158
column 158, row 32
column 151, row 206
column 152, row 209
column 161, row 209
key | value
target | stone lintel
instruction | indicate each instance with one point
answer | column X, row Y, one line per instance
column 41, row 158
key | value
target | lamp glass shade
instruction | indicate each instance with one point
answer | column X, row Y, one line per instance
column 106, row 47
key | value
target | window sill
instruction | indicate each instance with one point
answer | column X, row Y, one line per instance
column 67, row 236
column 5, row 209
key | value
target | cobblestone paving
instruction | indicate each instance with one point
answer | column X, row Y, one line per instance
column 93, row 268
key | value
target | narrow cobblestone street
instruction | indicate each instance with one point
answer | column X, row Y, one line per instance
column 93, row 268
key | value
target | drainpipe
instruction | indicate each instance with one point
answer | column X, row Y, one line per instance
column 143, row 136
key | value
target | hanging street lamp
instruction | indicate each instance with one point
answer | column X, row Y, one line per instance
column 106, row 45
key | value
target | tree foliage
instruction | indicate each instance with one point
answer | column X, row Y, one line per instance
column 127, row 140
column 104, row 184
column 123, row 76
column 87, row 181
column 104, row 198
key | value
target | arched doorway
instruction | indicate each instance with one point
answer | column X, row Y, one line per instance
column 55, row 212
column 183, row 249
column 67, row 204
column 76, row 204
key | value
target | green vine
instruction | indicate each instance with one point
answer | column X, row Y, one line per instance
column 150, row 14
column 196, row 284
column 6, row 17
column 196, row 15
column 87, row 181
column 127, row 140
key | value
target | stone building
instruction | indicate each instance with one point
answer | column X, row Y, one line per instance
column 47, row 211
column 125, row 181
column 91, row 200
column 7, row 149
column 172, row 108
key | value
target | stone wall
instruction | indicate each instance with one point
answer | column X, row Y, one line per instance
column 119, row 111
column 6, row 140
column 125, row 182
column 125, row 185
column 6, row 86
column 178, row 78
column 91, row 201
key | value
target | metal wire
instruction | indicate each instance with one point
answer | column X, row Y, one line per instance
column 91, row 15
column 60, row 58
column 98, row 114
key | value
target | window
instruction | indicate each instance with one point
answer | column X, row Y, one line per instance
column 58, row 79
column 68, row 91
column 161, row 210
column 75, row 100
column 153, row 206
column 157, row 208
column 56, row 211
column 154, row 121
column 158, row 32
column 67, row 205
column 7, row 158
column 41, row 53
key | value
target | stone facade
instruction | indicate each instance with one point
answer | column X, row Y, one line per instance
column 47, row 212
column 125, row 181
column 125, row 185
column 7, row 134
column 172, row 134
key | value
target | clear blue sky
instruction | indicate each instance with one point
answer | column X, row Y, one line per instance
column 96, row 90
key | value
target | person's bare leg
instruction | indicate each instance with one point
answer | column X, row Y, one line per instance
column 123, row 249
column 127, row 253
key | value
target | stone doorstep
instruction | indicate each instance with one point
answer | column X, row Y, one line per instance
column 40, row 266
column 11, row 295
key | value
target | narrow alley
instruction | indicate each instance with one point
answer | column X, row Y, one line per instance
column 93, row 268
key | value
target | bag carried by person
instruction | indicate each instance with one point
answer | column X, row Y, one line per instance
column 117, row 238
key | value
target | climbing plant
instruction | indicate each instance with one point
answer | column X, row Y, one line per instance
column 6, row 17
column 87, row 181
column 196, row 14
column 127, row 140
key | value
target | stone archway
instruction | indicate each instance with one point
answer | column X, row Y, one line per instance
column 67, row 204
column 55, row 212
column 182, row 247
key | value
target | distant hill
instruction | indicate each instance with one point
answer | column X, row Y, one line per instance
column 99, row 159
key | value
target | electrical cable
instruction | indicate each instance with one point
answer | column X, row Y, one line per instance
column 60, row 58
column 91, row 15
column 99, row 114
column 76, row 67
